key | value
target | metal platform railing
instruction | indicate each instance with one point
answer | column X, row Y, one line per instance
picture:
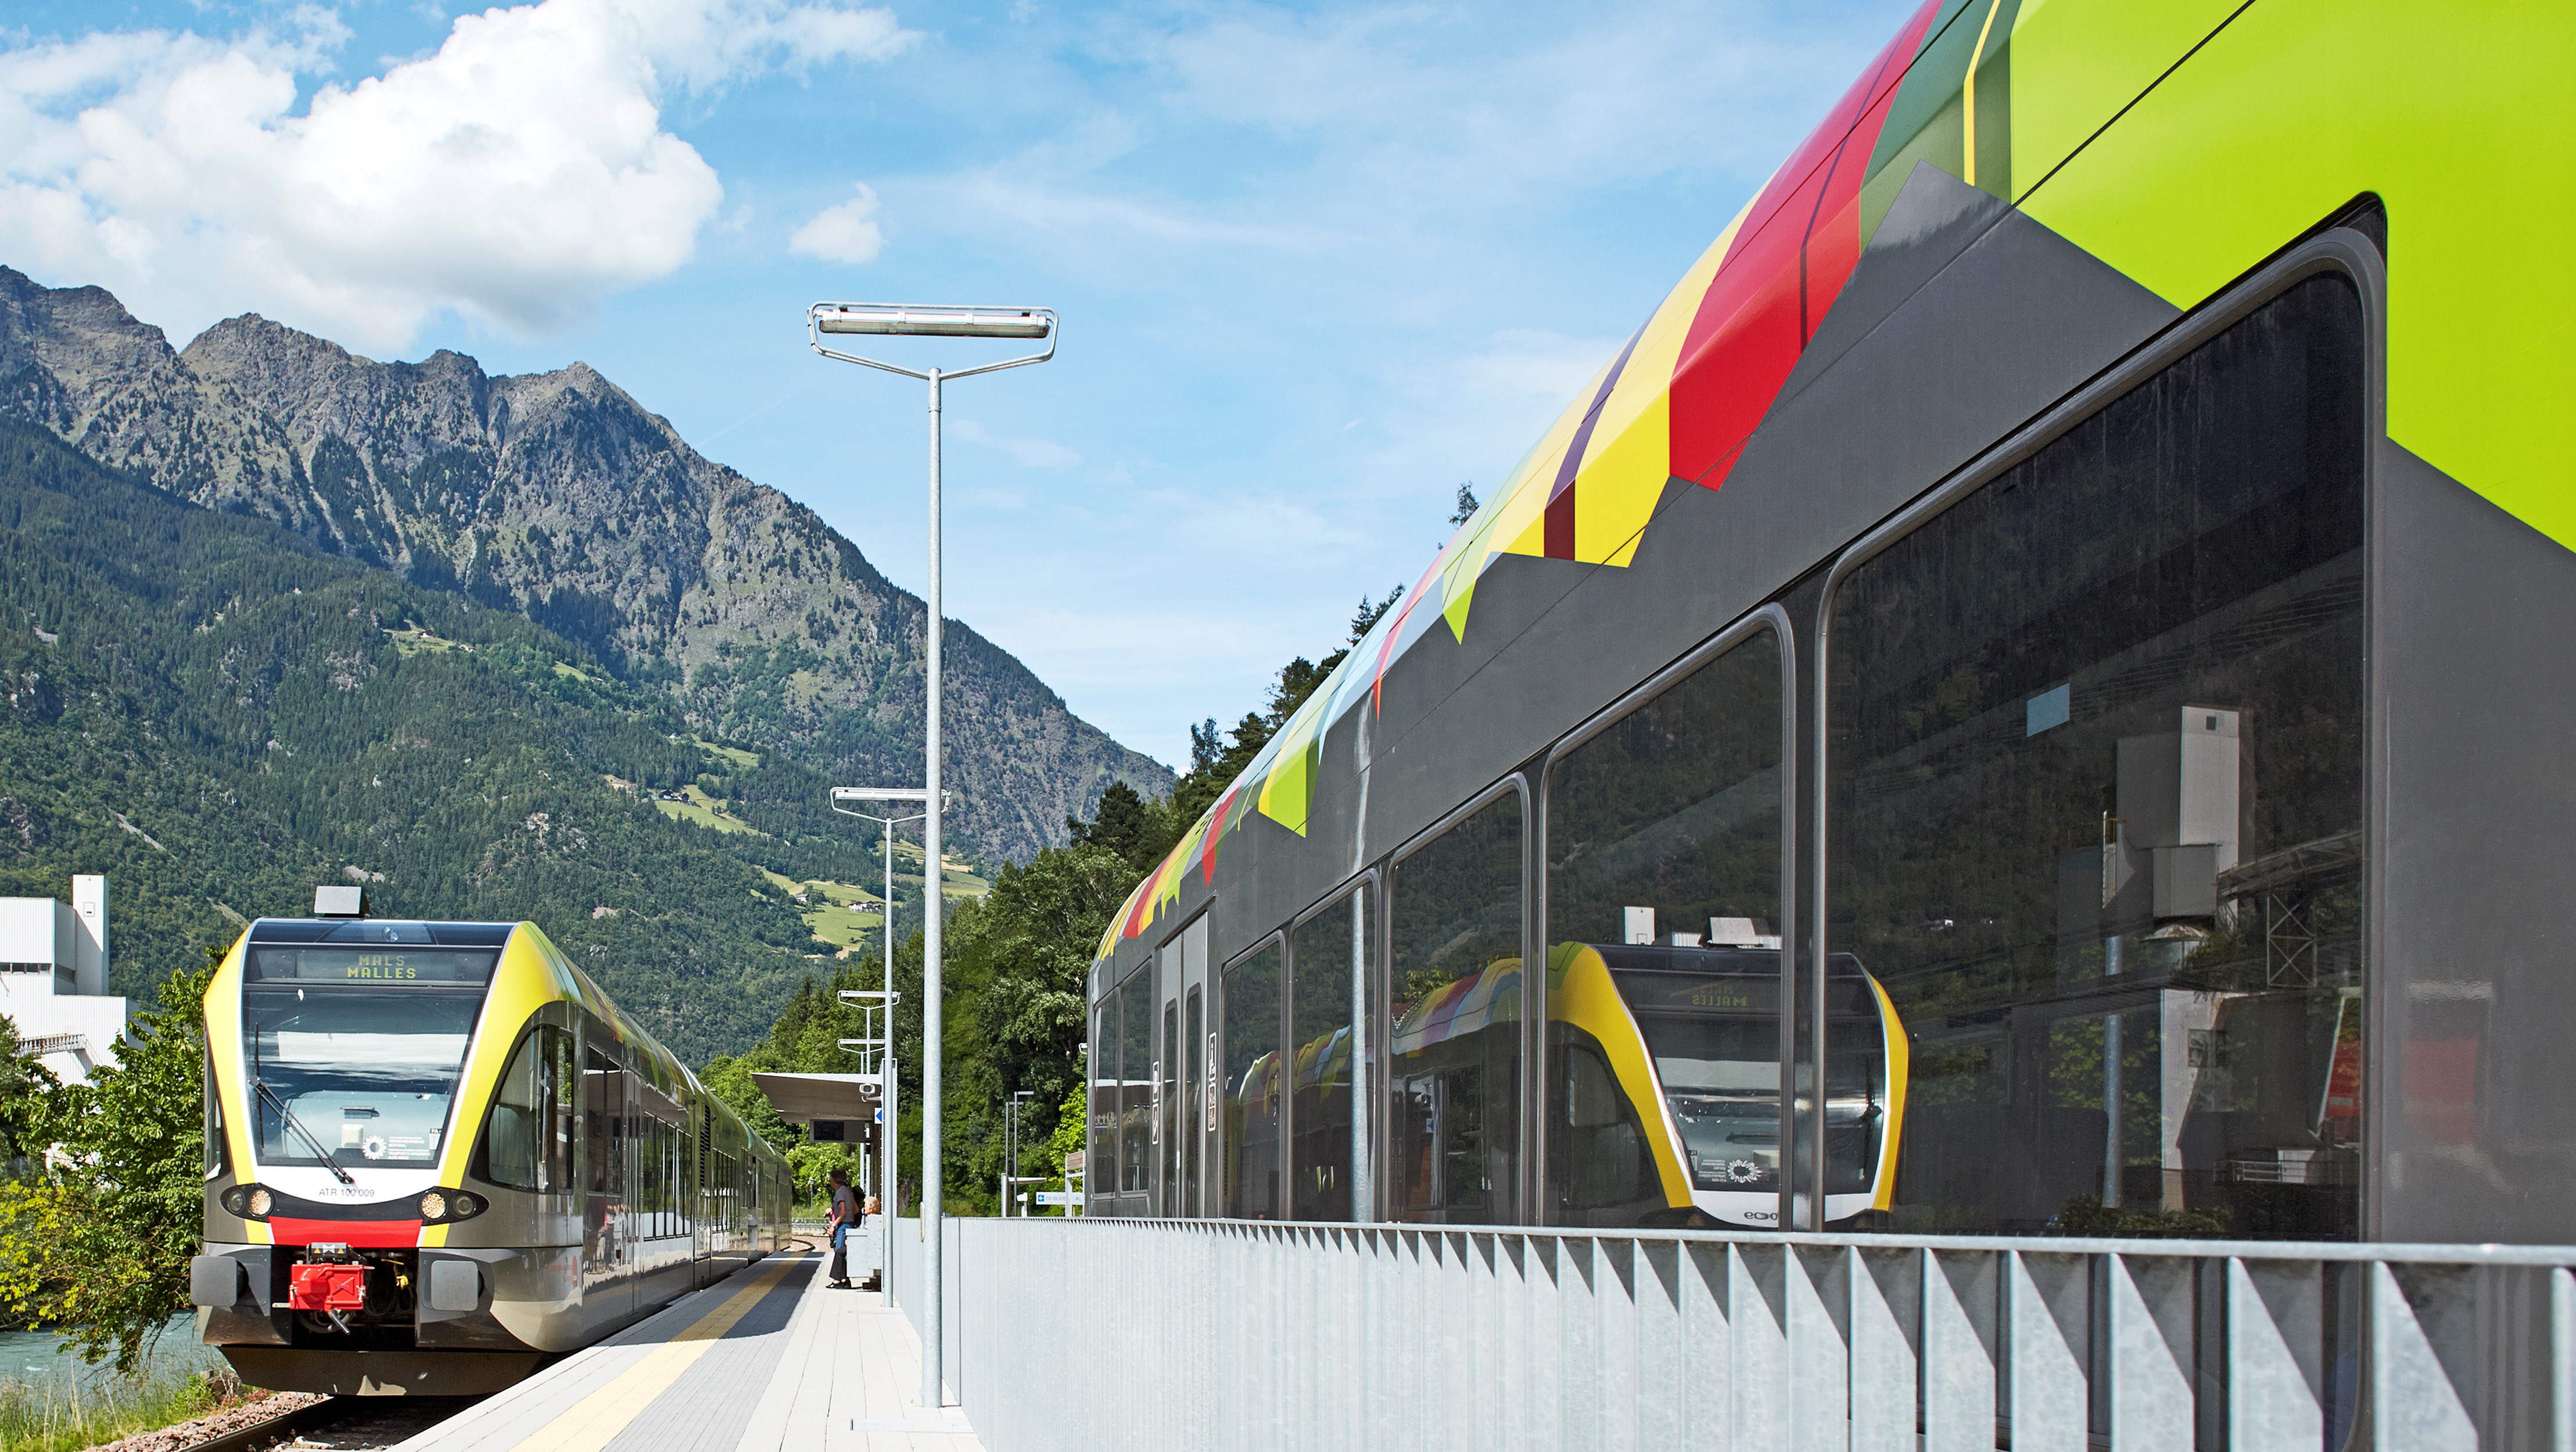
column 1203, row 1336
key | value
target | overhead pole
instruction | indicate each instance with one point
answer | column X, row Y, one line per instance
column 930, row 321
column 889, row 1161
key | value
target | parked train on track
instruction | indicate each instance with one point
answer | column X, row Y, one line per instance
column 438, row 1155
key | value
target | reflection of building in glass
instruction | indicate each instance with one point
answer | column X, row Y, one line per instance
column 53, row 979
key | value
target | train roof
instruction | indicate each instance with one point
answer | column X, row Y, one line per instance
column 381, row 930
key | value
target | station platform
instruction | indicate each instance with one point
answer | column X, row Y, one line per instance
column 768, row 1359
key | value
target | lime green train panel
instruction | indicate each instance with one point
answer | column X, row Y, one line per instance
column 2456, row 117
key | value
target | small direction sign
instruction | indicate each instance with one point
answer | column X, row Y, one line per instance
column 1056, row 1197
column 1074, row 1161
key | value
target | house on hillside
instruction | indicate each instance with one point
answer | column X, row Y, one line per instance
column 53, row 979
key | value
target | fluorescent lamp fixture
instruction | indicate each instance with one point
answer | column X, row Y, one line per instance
column 880, row 794
column 934, row 322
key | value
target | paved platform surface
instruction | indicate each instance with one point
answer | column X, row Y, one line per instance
column 764, row 1361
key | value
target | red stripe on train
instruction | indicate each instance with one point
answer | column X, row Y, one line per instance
column 379, row 1234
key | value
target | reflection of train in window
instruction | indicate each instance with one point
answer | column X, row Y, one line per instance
column 1666, row 1062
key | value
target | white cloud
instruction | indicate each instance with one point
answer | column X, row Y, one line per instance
column 517, row 175
column 845, row 233
column 1028, row 453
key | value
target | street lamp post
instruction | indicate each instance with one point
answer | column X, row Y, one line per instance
column 916, row 321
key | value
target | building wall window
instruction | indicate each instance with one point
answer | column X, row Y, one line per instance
column 1454, row 1052
column 1255, row 1087
column 2095, row 793
column 1663, row 1034
column 1327, row 965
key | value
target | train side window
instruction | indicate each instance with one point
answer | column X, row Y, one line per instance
column 603, row 1119
column 1136, row 1087
column 527, row 1137
column 218, row 1154
column 2095, row 788
column 1194, row 1099
column 1663, row 971
column 1454, row 1054
column 1328, row 959
column 1254, row 1087
column 1101, row 1169
column 1167, row 1095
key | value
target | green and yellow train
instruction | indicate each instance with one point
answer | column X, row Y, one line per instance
column 438, row 1155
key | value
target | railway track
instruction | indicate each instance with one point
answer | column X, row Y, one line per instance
column 339, row 1424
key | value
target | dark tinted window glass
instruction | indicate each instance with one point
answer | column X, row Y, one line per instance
column 2096, row 799
column 1167, row 1099
column 1327, row 964
column 1100, row 1168
column 603, row 1106
column 528, row 1137
column 1453, row 1075
column 357, row 1072
column 1255, row 1087
column 1136, row 1088
column 1663, row 848
column 1198, row 1094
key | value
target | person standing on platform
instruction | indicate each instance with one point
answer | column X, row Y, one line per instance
column 845, row 1213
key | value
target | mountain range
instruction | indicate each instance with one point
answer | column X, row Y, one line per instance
column 558, row 497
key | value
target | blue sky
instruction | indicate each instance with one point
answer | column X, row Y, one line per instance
column 1318, row 265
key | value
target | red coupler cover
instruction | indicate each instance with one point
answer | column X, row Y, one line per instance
column 324, row 1286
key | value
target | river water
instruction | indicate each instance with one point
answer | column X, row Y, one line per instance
column 33, row 1359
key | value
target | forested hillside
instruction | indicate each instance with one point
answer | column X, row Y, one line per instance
column 1013, row 969
column 218, row 714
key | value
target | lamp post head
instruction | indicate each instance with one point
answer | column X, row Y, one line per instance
column 918, row 321
column 881, row 794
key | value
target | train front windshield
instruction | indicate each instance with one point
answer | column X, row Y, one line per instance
column 353, row 1052
column 1711, row 1022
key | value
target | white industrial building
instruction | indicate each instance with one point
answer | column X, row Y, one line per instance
column 53, row 979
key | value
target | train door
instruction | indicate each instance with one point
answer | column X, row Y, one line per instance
column 1193, row 1097
column 1167, row 1109
column 1194, row 1076
column 607, row 1292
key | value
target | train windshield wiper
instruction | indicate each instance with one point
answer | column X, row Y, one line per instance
column 311, row 1140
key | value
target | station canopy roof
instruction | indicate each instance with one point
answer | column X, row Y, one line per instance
column 804, row 1098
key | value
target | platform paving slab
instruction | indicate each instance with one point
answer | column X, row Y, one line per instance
column 770, row 1358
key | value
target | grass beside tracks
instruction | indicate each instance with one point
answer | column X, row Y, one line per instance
column 63, row 1415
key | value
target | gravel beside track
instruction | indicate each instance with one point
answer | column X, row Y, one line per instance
column 300, row 1422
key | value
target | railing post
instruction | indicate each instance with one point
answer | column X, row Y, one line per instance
column 2150, row 1354
column 2423, row 1320
column 1960, row 1299
column 2274, row 1342
column 2049, row 1398
column 1886, row 1303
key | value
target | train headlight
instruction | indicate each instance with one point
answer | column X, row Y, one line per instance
column 247, row 1201
column 450, row 1205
